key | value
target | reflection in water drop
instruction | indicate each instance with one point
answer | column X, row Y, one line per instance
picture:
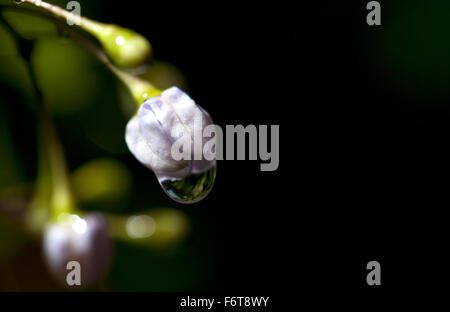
column 190, row 189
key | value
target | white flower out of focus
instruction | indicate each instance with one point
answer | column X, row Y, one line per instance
column 84, row 240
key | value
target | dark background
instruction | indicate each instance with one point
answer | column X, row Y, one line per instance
column 363, row 112
column 240, row 60
column 364, row 119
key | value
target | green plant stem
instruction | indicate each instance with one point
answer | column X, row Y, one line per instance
column 140, row 89
column 83, row 22
column 52, row 187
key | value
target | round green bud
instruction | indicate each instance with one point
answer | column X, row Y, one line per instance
column 125, row 47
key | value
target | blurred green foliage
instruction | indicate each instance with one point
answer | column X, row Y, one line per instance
column 165, row 75
column 91, row 109
column 412, row 49
column 11, row 172
column 15, row 238
column 29, row 26
column 101, row 181
column 66, row 75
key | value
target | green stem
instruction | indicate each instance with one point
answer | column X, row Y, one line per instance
column 125, row 47
column 56, row 10
column 140, row 89
column 85, row 23
column 52, row 193
column 56, row 169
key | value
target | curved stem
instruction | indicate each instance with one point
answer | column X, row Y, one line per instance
column 61, row 199
column 57, row 11
column 91, row 46
column 52, row 194
column 79, row 20
column 140, row 89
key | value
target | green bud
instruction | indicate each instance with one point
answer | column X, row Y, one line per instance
column 52, row 195
column 140, row 89
column 125, row 47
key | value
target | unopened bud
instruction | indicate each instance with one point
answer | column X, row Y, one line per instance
column 166, row 135
column 125, row 47
column 84, row 240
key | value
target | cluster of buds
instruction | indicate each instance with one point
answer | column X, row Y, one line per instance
column 162, row 118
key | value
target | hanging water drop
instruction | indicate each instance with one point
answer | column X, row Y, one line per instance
column 190, row 189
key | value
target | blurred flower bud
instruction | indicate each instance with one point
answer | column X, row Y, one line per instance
column 84, row 240
column 164, row 75
column 159, row 227
column 125, row 47
column 165, row 127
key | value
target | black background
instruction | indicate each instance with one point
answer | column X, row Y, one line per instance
column 359, row 179
column 240, row 61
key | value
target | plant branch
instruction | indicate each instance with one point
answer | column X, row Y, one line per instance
column 90, row 45
column 140, row 89
column 52, row 188
column 55, row 10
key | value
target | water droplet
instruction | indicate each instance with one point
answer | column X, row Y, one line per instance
column 190, row 189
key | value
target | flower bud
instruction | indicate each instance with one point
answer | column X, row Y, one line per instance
column 76, row 239
column 172, row 118
column 125, row 47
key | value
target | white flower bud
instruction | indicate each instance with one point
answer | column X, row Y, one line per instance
column 165, row 120
column 84, row 240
